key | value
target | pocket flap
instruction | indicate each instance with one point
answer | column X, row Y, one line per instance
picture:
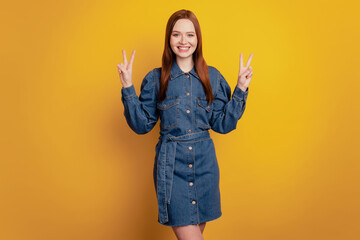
column 167, row 103
column 204, row 104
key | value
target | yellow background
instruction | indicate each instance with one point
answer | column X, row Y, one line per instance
column 71, row 168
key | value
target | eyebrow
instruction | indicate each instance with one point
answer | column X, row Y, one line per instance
column 186, row 32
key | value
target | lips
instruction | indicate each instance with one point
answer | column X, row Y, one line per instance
column 183, row 49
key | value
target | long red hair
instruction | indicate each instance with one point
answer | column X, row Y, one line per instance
column 168, row 56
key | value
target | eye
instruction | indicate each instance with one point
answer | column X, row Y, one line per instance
column 191, row 35
column 175, row 34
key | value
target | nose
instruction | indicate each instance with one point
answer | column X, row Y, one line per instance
column 183, row 40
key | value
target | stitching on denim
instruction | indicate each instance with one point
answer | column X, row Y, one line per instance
column 208, row 107
column 191, row 106
column 197, row 115
column 203, row 125
column 189, row 176
column 197, row 202
column 172, row 175
column 169, row 127
column 194, row 141
column 177, row 112
column 160, row 106
column 155, row 89
column 217, row 83
column 129, row 97
column 164, row 180
column 175, row 76
column 237, row 98
column 174, row 138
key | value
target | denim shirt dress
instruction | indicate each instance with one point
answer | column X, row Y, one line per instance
column 186, row 171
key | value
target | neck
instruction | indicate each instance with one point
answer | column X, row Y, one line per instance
column 185, row 64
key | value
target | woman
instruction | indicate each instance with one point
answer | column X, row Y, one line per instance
column 190, row 98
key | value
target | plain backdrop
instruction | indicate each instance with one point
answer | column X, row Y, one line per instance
column 71, row 168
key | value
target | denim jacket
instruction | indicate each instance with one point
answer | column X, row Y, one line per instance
column 185, row 109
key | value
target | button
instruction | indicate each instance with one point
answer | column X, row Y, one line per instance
column 188, row 111
column 190, row 184
column 187, row 76
column 190, row 165
column 190, row 147
column 193, row 202
column 189, row 130
column 187, row 94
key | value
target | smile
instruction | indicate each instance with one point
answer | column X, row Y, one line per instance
column 183, row 49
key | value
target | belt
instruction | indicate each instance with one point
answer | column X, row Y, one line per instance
column 165, row 167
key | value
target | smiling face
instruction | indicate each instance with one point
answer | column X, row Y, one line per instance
column 183, row 39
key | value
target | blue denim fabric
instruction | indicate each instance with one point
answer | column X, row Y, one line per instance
column 186, row 172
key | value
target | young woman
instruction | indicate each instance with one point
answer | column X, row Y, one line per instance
column 190, row 98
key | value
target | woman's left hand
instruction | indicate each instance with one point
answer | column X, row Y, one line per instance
column 245, row 73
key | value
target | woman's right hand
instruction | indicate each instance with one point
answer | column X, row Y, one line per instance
column 125, row 70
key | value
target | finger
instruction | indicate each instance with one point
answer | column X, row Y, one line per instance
column 124, row 56
column 122, row 67
column 249, row 60
column 132, row 59
column 241, row 62
column 246, row 72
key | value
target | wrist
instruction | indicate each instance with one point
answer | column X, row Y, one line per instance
column 243, row 88
column 127, row 86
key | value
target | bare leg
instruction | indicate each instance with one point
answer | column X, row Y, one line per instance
column 188, row 232
column 202, row 226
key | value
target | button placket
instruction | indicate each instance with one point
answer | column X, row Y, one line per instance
column 191, row 185
column 188, row 104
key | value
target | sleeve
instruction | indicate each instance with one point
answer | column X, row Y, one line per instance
column 227, row 111
column 140, row 112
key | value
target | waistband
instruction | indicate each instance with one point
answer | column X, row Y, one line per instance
column 186, row 137
column 165, row 167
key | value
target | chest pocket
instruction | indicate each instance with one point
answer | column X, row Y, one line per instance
column 169, row 112
column 203, row 113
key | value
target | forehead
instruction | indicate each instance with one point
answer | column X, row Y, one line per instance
column 184, row 25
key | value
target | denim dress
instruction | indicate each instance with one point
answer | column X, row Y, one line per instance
column 186, row 171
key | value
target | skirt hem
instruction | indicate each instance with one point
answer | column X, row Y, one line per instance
column 185, row 224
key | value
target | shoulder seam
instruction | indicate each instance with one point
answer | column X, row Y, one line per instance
column 155, row 88
column 217, row 83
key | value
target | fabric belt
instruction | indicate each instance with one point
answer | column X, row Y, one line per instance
column 165, row 167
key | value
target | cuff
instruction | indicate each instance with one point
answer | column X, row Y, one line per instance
column 128, row 92
column 240, row 94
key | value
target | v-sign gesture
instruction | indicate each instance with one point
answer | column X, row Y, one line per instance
column 245, row 73
column 125, row 70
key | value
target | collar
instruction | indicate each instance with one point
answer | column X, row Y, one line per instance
column 176, row 71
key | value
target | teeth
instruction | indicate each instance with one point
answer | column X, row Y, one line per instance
column 184, row 47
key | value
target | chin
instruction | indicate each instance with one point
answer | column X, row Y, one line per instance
column 182, row 55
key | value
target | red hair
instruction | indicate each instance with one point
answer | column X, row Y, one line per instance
column 168, row 56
